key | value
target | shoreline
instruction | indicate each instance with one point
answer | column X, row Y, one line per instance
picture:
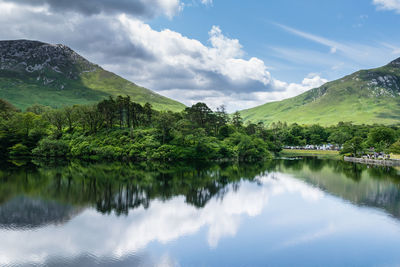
column 378, row 162
column 324, row 154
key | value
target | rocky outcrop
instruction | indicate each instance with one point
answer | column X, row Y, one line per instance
column 42, row 60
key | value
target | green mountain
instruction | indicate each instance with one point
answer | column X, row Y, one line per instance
column 367, row 96
column 33, row 72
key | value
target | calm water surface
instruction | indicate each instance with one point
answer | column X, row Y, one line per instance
column 304, row 212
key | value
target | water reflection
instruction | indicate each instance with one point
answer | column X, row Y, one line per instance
column 361, row 184
column 23, row 212
column 127, row 215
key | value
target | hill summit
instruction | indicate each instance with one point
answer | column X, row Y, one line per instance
column 364, row 97
column 33, row 72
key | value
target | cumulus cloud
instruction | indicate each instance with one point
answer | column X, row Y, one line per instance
column 141, row 8
column 216, row 72
column 243, row 100
column 388, row 5
column 196, row 66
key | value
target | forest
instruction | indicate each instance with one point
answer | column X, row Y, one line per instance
column 120, row 129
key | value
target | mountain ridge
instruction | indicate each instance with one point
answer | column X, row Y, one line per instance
column 35, row 72
column 364, row 97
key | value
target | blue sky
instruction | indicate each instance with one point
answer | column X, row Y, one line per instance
column 256, row 25
column 234, row 53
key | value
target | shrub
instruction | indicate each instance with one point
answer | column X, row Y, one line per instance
column 19, row 150
column 49, row 148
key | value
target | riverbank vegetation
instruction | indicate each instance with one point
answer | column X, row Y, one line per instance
column 117, row 129
column 351, row 139
column 120, row 129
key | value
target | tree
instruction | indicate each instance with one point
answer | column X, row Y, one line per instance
column 127, row 107
column 6, row 108
column 395, row 147
column 38, row 109
column 297, row 131
column 221, row 118
column 120, row 109
column 148, row 112
column 339, row 137
column 354, row 146
column 237, row 120
column 316, row 134
column 251, row 129
column 381, row 138
column 71, row 116
column 108, row 109
column 199, row 114
column 136, row 113
column 57, row 118
column 90, row 118
column 165, row 124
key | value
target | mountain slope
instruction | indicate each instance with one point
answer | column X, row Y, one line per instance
column 367, row 96
column 33, row 72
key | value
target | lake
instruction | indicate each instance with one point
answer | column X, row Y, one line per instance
column 288, row 212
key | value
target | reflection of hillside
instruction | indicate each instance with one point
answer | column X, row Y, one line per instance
column 25, row 213
column 372, row 186
column 120, row 187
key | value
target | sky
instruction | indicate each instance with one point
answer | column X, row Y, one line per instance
column 222, row 52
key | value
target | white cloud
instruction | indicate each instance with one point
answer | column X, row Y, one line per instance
column 243, row 100
column 217, row 72
column 334, row 46
column 138, row 8
column 207, row 2
column 395, row 49
column 342, row 59
column 388, row 5
column 195, row 62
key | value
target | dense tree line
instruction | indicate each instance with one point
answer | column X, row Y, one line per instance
column 352, row 139
column 118, row 128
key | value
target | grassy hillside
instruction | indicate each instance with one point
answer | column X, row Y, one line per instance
column 54, row 75
column 367, row 96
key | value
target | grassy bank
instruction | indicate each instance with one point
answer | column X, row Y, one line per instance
column 394, row 156
column 329, row 154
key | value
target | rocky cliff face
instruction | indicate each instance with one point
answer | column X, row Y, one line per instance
column 42, row 60
column 395, row 63
column 373, row 83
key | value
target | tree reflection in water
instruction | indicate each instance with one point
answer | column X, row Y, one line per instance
column 119, row 187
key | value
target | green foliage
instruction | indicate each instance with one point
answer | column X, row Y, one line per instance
column 6, row 108
column 20, row 128
column 381, row 138
column 237, row 120
column 354, row 146
column 38, row 109
column 119, row 129
column 19, row 150
column 49, row 148
column 395, row 147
